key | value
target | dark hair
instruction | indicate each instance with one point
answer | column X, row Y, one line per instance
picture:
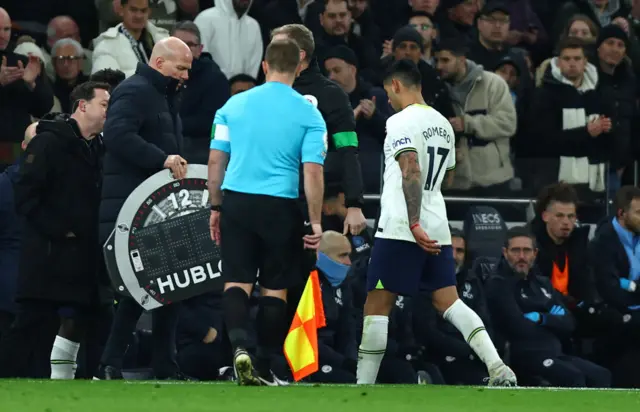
column 86, row 91
column 283, row 56
column 453, row 45
column 624, row 197
column 325, row 3
column 456, row 232
column 242, row 78
column 570, row 43
column 406, row 72
column 301, row 35
column 557, row 192
column 519, row 231
column 110, row 76
column 188, row 26
column 125, row 2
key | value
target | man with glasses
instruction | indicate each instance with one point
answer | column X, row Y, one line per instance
column 207, row 90
column 531, row 315
column 67, row 58
column 423, row 23
column 491, row 46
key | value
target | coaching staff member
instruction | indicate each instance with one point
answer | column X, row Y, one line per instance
column 143, row 135
column 267, row 131
column 57, row 193
column 335, row 107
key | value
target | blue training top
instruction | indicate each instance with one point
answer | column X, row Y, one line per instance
column 268, row 131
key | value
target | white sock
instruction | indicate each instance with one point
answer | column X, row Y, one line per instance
column 372, row 348
column 472, row 328
column 63, row 358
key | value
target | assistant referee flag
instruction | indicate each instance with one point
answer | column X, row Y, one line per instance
column 301, row 344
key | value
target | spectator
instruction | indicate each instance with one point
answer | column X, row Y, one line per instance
column 58, row 200
column 614, row 258
column 408, row 44
column 459, row 248
column 371, row 111
column 64, row 27
column 616, row 80
column 277, row 13
column 67, row 58
column 531, row 315
column 163, row 13
column 423, row 24
column 124, row 46
column 142, row 126
column 568, row 126
column 336, row 29
column 241, row 83
column 526, row 30
column 581, row 27
column 232, row 37
column 364, row 24
column 455, row 19
column 200, row 337
column 509, row 70
column 493, row 31
column 24, row 92
column 10, row 236
column 486, row 118
column 207, row 90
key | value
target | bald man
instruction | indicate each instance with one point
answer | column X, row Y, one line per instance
column 26, row 92
column 143, row 135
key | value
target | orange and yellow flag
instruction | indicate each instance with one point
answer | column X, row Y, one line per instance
column 301, row 344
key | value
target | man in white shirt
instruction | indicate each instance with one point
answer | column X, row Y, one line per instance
column 413, row 247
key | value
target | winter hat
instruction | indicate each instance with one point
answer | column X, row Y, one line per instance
column 342, row 52
column 612, row 31
column 407, row 33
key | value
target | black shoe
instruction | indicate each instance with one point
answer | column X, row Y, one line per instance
column 108, row 373
column 243, row 369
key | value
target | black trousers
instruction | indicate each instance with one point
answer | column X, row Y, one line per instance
column 94, row 342
column 464, row 372
column 397, row 371
column 6, row 319
column 562, row 371
column 201, row 360
column 165, row 320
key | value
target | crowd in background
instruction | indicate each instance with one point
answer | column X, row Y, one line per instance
column 537, row 92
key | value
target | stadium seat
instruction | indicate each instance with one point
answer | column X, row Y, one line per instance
column 484, row 232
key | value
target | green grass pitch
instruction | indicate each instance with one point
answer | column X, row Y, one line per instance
column 88, row 396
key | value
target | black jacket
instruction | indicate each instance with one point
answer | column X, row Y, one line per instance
column 610, row 264
column 333, row 103
column 337, row 340
column 18, row 103
column 197, row 315
column 622, row 89
column 582, row 287
column 10, row 237
column 62, row 90
column 142, row 128
column 206, row 91
column 58, row 193
column 510, row 297
column 439, row 337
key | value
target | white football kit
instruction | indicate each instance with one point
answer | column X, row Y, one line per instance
column 423, row 130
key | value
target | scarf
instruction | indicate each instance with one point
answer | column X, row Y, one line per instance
column 136, row 45
column 631, row 245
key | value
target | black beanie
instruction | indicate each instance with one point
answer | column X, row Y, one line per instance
column 612, row 31
column 407, row 33
column 342, row 52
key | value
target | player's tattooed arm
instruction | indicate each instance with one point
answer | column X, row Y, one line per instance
column 411, row 184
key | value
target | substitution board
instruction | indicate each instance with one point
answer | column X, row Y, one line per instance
column 160, row 250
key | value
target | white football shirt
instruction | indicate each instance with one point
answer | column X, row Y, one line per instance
column 423, row 130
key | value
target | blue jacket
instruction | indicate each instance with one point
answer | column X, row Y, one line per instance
column 511, row 297
column 337, row 340
column 10, row 235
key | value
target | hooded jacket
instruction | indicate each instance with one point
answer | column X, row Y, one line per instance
column 114, row 51
column 235, row 43
column 484, row 100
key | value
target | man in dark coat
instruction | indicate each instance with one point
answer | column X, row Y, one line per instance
column 143, row 135
column 207, row 90
column 57, row 193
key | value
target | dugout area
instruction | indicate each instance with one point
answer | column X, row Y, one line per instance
column 122, row 396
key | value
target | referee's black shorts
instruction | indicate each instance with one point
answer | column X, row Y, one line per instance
column 263, row 233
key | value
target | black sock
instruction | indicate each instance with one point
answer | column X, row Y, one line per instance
column 235, row 303
column 271, row 325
